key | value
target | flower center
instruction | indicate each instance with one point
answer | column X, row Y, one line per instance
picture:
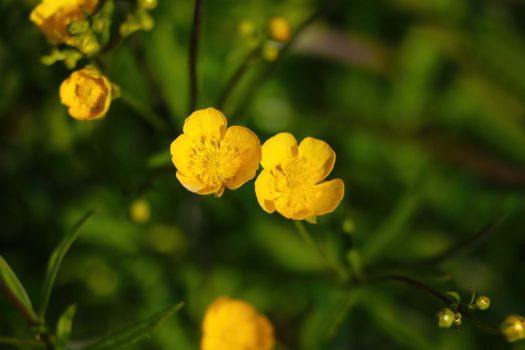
column 89, row 93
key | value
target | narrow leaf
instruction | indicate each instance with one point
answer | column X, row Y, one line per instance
column 65, row 325
column 15, row 290
column 127, row 337
column 55, row 261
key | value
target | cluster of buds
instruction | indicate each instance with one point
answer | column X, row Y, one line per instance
column 140, row 19
column 448, row 317
column 272, row 39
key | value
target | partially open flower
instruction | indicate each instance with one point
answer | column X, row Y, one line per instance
column 209, row 156
column 235, row 325
column 54, row 16
column 513, row 328
column 87, row 93
column 292, row 178
column 279, row 29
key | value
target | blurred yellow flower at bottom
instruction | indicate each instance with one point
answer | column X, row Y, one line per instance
column 513, row 328
column 87, row 93
column 231, row 324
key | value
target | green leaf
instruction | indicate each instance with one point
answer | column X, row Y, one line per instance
column 64, row 326
column 127, row 337
column 55, row 261
column 15, row 290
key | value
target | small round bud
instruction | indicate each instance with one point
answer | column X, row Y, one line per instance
column 246, row 28
column 445, row 318
column 457, row 319
column 513, row 328
column 279, row 29
column 483, row 302
column 270, row 51
column 140, row 211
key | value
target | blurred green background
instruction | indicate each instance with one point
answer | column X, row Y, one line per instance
column 422, row 100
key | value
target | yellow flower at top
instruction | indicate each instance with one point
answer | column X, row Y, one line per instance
column 235, row 325
column 54, row 16
column 279, row 29
column 209, row 156
column 291, row 182
column 87, row 93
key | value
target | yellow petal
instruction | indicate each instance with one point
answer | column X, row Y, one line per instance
column 319, row 158
column 265, row 191
column 181, row 150
column 327, row 196
column 278, row 148
column 246, row 145
column 193, row 184
column 292, row 207
column 206, row 122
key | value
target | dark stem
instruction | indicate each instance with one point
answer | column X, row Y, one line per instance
column 237, row 75
column 194, row 47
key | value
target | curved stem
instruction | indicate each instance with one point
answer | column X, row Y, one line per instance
column 237, row 75
column 194, row 47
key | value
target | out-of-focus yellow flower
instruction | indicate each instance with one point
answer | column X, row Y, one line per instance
column 87, row 93
column 279, row 29
column 209, row 156
column 235, row 325
column 292, row 178
column 54, row 16
column 513, row 328
column 140, row 211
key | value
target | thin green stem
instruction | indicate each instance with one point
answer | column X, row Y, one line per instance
column 237, row 76
column 21, row 342
column 194, row 47
column 307, row 238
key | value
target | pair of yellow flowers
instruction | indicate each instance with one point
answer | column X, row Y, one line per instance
column 210, row 157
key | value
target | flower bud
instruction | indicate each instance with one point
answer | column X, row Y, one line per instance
column 87, row 93
column 457, row 319
column 446, row 318
column 513, row 328
column 279, row 29
column 483, row 302
column 148, row 4
column 140, row 211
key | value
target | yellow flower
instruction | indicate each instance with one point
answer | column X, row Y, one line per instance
column 292, row 178
column 235, row 325
column 279, row 29
column 87, row 93
column 513, row 328
column 209, row 156
column 54, row 16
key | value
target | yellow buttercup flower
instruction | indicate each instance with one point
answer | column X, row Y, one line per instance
column 235, row 325
column 292, row 178
column 54, row 16
column 513, row 328
column 87, row 93
column 209, row 156
column 279, row 29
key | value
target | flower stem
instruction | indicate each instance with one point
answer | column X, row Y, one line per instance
column 237, row 75
column 194, row 47
column 307, row 238
column 143, row 111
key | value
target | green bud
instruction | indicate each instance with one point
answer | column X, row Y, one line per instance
column 146, row 21
column 483, row 302
column 457, row 319
column 446, row 318
column 78, row 27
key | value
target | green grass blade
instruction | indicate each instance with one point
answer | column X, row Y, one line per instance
column 65, row 325
column 55, row 261
column 127, row 337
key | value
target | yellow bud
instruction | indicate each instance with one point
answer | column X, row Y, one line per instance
column 87, row 93
column 146, row 21
column 279, row 29
column 483, row 302
column 513, row 328
column 445, row 318
column 270, row 51
column 140, row 211
column 246, row 28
